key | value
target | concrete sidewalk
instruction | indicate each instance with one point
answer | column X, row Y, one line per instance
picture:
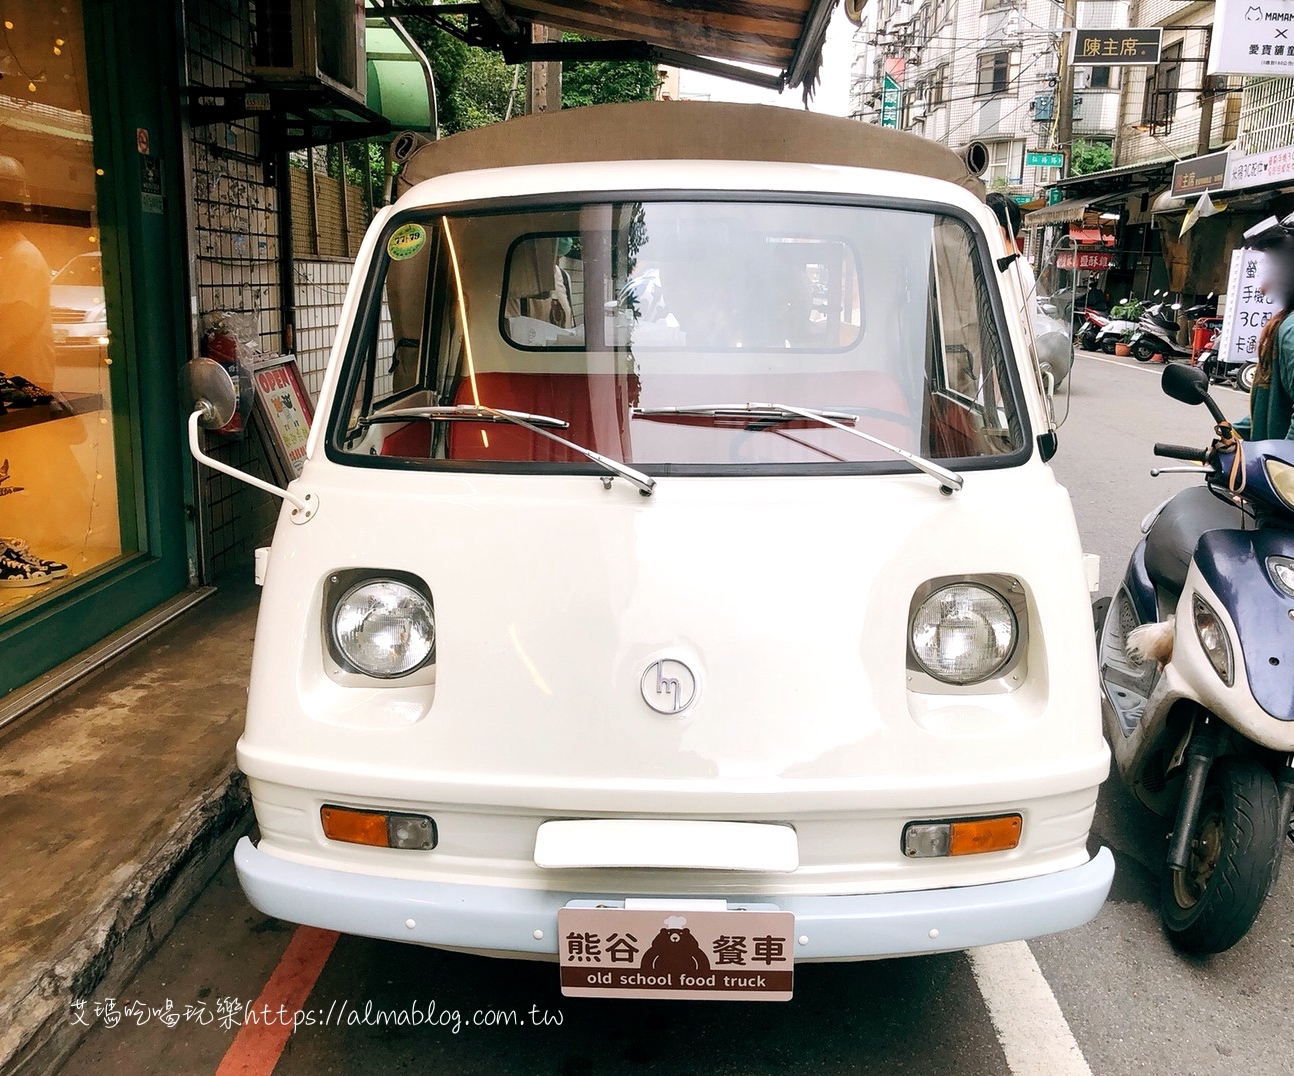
column 117, row 802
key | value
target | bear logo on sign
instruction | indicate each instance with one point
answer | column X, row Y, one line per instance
column 674, row 949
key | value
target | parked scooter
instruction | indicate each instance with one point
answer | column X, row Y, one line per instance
column 1157, row 330
column 1117, row 329
column 1238, row 371
column 1093, row 322
column 1197, row 676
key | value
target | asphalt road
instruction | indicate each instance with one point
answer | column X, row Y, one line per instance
column 1111, row 998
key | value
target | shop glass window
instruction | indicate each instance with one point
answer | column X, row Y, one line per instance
column 64, row 509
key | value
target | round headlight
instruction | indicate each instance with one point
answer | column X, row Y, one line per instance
column 963, row 634
column 384, row 628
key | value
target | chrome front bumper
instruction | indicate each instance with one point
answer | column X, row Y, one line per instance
column 523, row 922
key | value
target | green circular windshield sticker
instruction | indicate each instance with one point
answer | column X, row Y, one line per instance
column 406, row 241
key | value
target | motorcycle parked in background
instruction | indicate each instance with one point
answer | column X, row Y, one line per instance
column 1197, row 677
column 1091, row 325
column 1237, row 371
column 1123, row 322
column 1157, row 330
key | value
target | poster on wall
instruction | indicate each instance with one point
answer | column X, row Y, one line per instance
column 1252, row 37
column 1247, row 309
column 284, row 412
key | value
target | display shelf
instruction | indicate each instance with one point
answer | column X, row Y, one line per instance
column 65, row 405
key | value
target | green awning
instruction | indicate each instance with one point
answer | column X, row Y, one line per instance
column 397, row 81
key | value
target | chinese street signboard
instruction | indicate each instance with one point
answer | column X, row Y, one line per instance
column 1096, row 261
column 1107, row 48
column 1260, row 169
column 1200, row 174
column 890, row 103
column 702, row 955
column 1040, row 158
column 1252, row 38
column 1247, row 309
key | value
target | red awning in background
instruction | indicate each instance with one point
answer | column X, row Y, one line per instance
column 1091, row 237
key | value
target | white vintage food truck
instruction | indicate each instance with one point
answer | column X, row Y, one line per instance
column 676, row 587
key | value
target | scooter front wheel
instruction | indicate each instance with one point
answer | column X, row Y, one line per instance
column 1143, row 351
column 1211, row 905
column 1245, row 379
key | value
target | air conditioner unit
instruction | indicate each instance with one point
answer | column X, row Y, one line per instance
column 310, row 41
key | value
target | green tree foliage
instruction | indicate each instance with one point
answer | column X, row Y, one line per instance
column 601, row 82
column 1090, row 157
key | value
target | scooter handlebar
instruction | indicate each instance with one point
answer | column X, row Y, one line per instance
column 1181, row 452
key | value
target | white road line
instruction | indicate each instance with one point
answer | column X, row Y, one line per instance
column 1034, row 1033
column 1150, row 367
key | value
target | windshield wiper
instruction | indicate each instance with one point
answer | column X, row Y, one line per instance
column 768, row 414
column 533, row 423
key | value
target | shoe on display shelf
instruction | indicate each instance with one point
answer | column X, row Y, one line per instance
column 17, row 549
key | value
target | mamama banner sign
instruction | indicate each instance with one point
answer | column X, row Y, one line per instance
column 1252, row 37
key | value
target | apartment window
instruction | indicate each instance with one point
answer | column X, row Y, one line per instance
column 1160, row 102
column 994, row 73
column 935, row 87
column 1099, row 78
column 944, row 10
column 1005, row 162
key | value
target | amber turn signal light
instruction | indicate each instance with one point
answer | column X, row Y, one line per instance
column 377, row 829
column 925, row 840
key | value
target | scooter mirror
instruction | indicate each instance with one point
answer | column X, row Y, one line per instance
column 1189, row 384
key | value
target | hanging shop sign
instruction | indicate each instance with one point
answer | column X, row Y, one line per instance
column 1252, row 37
column 1260, row 169
column 890, row 103
column 1247, row 309
column 1200, row 174
column 283, row 412
column 1094, row 260
column 1110, row 48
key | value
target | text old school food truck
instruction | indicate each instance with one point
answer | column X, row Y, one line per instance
column 676, row 587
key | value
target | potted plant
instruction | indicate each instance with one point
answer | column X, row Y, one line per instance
column 1127, row 310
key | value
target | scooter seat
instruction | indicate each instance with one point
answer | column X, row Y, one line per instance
column 1173, row 536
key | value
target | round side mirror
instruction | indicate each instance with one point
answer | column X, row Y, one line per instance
column 1188, row 384
column 213, row 393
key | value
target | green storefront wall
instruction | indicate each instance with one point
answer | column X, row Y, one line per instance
column 132, row 88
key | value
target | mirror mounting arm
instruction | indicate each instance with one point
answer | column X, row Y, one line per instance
column 303, row 508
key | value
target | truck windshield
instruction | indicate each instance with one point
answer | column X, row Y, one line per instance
column 608, row 316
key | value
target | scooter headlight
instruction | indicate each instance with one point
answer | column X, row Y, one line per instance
column 1281, row 572
column 1212, row 634
column 384, row 628
column 963, row 633
column 1281, row 476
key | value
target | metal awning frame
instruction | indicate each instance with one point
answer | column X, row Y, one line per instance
column 488, row 25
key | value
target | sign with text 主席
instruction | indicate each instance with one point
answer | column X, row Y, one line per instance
column 1110, row 48
column 1247, row 309
column 1200, row 174
column 1041, row 158
column 1252, row 37
column 890, row 94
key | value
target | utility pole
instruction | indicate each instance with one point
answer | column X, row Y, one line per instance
column 1065, row 89
column 544, row 82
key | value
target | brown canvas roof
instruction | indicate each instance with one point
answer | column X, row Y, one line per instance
column 685, row 130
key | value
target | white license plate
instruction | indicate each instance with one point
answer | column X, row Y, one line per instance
column 701, row 955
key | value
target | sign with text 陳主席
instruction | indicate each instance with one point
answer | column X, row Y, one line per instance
column 1041, row 158
column 1110, row 48
column 1252, row 37
column 890, row 94
column 1247, row 309
column 1200, row 174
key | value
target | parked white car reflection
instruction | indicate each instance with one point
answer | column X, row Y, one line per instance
column 77, row 308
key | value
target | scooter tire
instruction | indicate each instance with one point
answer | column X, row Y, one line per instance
column 1087, row 341
column 1144, row 352
column 1211, row 905
column 1108, row 345
column 1245, row 379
